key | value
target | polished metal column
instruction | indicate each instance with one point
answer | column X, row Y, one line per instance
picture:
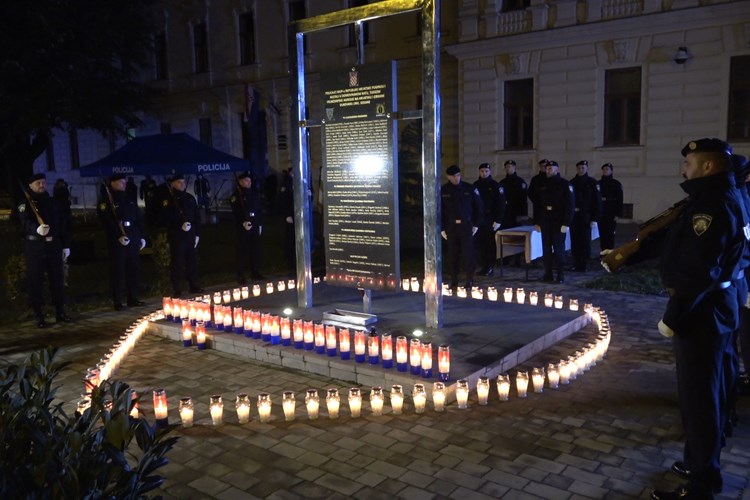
column 433, row 253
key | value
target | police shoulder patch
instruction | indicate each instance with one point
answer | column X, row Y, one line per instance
column 701, row 222
column 22, row 208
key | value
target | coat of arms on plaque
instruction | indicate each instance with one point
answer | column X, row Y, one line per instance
column 354, row 78
column 329, row 114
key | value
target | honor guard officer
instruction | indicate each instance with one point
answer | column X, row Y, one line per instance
column 126, row 237
column 588, row 202
column 701, row 257
column 515, row 196
column 536, row 184
column 611, row 191
column 247, row 209
column 46, row 229
column 552, row 216
column 461, row 209
column 180, row 215
column 493, row 204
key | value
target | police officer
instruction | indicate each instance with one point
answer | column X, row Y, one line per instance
column 461, row 215
column 536, row 184
column 611, row 192
column 552, row 216
column 702, row 252
column 126, row 237
column 202, row 188
column 46, row 229
column 515, row 196
column 247, row 209
column 588, row 204
column 149, row 195
column 182, row 219
column 742, row 170
column 493, row 203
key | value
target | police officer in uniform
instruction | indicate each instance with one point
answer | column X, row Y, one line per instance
column 247, row 209
column 46, row 229
column 493, row 203
column 536, row 183
column 126, row 237
column 588, row 204
column 701, row 257
column 202, row 188
column 182, row 219
column 148, row 195
column 461, row 214
column 515, row 196
column 552, row 216
column 611, row 192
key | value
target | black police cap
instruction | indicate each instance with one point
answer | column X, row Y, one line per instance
column 35, row 177
column 706, row 145
column 484, row 165
column 583, row 162
column 453, row 170
column 177, row 177
column 116, row 177
column 510, row 162
column 611, row 167
column 552, row 163
column 244, row 175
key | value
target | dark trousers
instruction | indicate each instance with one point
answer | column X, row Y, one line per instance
column 607, row 226
column 553, row 248
column 183, row 261
column 124, row 269
column 248, row 252
column 486, row 249
column 580, row 241
column 44, row 257
column 460, row 245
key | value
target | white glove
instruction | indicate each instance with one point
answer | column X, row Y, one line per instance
column 124, row 240
column 563, row 229
column 474, row 230
column 42, row 230
column 66, row 254
column 593, row 224
column 444, row 235
column 143, row 244
column 247, row 225
column 197, row 239
column 664, row 329
column 260, row 230
column 537, row 228
column 186, row 226
column 495, row 226
column 289, row 220
column 747, row 301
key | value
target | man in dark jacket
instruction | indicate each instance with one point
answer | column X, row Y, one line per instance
column 588, row 204
column 182, row 219
column 536, row 184
column 515, row 196
column 611, row 191
column 493, row 203
column 247, row 209
column 552, row 216
column 461, row 214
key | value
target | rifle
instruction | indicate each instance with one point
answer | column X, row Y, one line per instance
column 620, row 256
column 112, row 208
column 32, row 203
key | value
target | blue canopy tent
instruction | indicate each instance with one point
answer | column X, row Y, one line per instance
column 164, row 154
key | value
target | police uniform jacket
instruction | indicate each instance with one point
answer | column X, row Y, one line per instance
column 703, row 252
column 460, row 203
column 611, row 191
column 535, row 186
column 556, row 202
column 493, row 200
column 515, row 194
column 126, row 212
column 178, row 208
column 53, row 214
column 587, row 197
column 247, row 207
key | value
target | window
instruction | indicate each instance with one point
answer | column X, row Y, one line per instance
column 160, row 56
column 738, row 128
column 247, row 38
column 365, row 28
column 49, row 153
column 297, row 10
column 200, row 48
column 165, row 128
column 519, row 114
column 75, row 156
column 204, row 128
column 509, row 5
column 622, row 107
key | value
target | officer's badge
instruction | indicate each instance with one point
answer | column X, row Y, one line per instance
column 22, row 208
column 598, row 188
column 701, row 223
column 501, row 190
column 102, row 206
column 476, row 191
column 570, row 188
column 165, row 203
column 523, row 185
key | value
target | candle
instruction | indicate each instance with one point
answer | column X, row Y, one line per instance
column 247, row 322
column 216, row 408
column 184, row 309
column 191, row 312
column 236, row 294
column 548, row 300
column 405, row 284
column 447, row 291
column 309, row 338
column 444, row 362
column 290, row 284
column 426, row 354
column 312, row 402
column 414, row 284
column 320, row 338
column 228, row 320
column 344, row 343
column 533, row 298
column 492, row 293
column 573, row 304
column 330, row 340
column 355, row 402
column 245, row 292
column 553, row 376
column 298, row 335
column 281, row 286
column 83, row 405
column 333, row 402
column 161, row 409
column 415, row 356
column 386, row 350
column 376, row 401
column 373, row 348
column 256, row 290
column 226, row 296
column 200, row 335
column 537, row 379
column 286, row 332
column 419, row 395
column 522, row 383
column 508, row 294
column 397, row 399
column 477, row 293
column 288, row 404
column 503, row 386
column 269, row 288
column 242, row 404
column 166, row 306
column 219, row 317
column 239, row 320
column 274, row 330
column 217, row 297
column 520, row 295
column 462, row 393
column 186, row 412
column 438, row 396
column 573, row 365
column 558, row 302
column 359, row 347
column 264, row 407
column 461, row 292
column 483, row 390
column 402, row 356
column 134, row 405
column 564, row 370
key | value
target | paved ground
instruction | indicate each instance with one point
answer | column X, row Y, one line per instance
column 612, row 433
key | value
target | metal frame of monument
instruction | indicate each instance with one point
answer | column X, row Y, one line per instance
column 430, row 114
